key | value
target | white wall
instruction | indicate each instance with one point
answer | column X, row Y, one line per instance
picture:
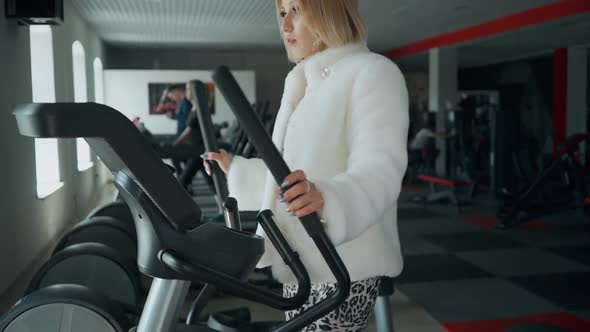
column 418, row 85
column 127, row 91
column 270, row 65
column 84, row 188
column 29, row 226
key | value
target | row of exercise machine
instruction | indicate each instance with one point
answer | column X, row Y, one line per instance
column 155, row 237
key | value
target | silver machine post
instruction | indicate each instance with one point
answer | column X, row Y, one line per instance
column 163, row 305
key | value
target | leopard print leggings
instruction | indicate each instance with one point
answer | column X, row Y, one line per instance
column 351, row 316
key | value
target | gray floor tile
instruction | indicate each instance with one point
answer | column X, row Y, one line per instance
column 412, row 245
column 582, row 227
column 472, row 241
column 433, row 226
column 569, row 290
column 583, row 314
column 476, row 299
column 523, row 261
column 432, row 267
column 579, row 254
column 548, row 237
column 408, row 316
column 566, row 218
column 415, row 213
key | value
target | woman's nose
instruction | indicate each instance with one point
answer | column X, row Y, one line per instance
column 287, row 25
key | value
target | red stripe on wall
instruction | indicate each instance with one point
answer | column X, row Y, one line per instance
column 559, row 95
column 534, row 16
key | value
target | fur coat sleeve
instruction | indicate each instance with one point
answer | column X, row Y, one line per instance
column 246, row 181
column 377, row 124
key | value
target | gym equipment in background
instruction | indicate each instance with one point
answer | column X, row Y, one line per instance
column 118, row 210
column 106, row 230
column 560, row 186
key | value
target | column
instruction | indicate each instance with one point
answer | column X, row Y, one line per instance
column 443, row 76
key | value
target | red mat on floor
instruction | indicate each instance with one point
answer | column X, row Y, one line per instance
column 563, row 320
column 490, row 222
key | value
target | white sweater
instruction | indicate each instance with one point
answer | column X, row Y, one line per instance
column 343, row 120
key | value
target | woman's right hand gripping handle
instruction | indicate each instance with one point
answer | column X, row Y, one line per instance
column 223, row 159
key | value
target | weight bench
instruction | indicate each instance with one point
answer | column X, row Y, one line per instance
column 436, row 195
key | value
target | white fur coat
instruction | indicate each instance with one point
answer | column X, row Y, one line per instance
column 343, row 120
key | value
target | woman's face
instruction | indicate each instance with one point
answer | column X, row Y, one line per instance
column 298, row 39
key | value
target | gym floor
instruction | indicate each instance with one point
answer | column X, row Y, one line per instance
column 469, row 276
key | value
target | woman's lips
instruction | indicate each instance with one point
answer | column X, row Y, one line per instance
column 291, row 41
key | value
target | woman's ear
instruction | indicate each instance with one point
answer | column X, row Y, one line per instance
column 318, row 45
column 315, row 46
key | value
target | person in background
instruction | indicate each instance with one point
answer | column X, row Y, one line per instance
column 177, row 93
column 190, row 139
column 427, row 131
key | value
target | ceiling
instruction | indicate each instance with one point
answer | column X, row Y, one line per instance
column 533, row 41
column 251, row 24
column 527, row 42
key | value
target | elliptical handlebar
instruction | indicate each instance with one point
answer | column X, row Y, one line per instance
column 120, row 146
column 201, row 101
column 232, row 216
column 279, row 169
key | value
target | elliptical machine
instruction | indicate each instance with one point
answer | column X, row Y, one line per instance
column 174, row 246
column 236, row 98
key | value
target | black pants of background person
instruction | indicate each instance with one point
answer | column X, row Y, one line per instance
column 189, row 171
column 177, row 163
column 188, row 152
column 192, row 165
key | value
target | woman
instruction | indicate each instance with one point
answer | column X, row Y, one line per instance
column 342, row 125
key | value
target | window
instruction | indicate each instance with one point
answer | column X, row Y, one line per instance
column 43, row 83
column 98, row 81
column 80, row 96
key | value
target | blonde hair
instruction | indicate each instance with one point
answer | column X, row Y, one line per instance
column 334, row 22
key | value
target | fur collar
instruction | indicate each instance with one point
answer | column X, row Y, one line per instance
column 316, row 68
column 306, row 75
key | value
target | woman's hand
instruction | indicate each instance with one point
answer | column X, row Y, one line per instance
column 300, row 195
column 223, row 159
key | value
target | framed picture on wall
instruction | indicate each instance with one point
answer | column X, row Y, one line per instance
column 161, row 103
column 164, row 97
column 211, row 87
